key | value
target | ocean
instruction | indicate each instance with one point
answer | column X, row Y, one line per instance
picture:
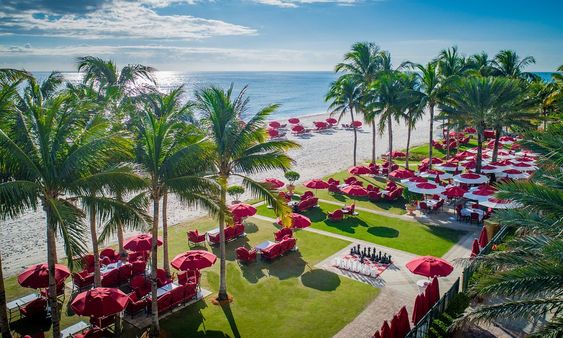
column 298, row 93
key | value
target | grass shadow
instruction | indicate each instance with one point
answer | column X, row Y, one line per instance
column 321, row 280
column 250, row 227
column 231, row 319
column 383, row 232
column 348, row 224
column 287, row 266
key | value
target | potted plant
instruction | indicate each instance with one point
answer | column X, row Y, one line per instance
column 292, row 177
column 235, row 191
column 410, row 199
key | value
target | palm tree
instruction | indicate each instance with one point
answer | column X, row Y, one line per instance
column 239, row 148
column 509, row 64
column 362, row 64
column 51, row 148
column 167, row 149
column 430, row 82
column 480, row 64
column 413, row 109
column 528, row 278
column 388, row 100
column 10, row 79
column 345, row 95
column 473, row 100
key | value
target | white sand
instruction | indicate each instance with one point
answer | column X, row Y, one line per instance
column 22, row 241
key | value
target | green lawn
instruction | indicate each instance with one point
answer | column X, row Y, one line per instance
column 282, row 298
column 408, row 236
column 421, row 151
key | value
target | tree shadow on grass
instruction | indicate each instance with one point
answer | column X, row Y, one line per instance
column 250, row 227
column 348, row 224
column 290, row 265
column 386, row 205
column 230, row 248
column 315, row 214
column 27, row 326
column 231, row 319
column 187, row 322
column 383, row 232
column 321, row 280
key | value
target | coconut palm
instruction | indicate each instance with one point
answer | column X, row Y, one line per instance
column 430, row 82
column 480, row 64
column 472, row 100
column 345, row 96
column 238, row 149
column 10, row 79
column 388, row 100
column 169, row 151
column 528, row 278
column 509, row 64
column 52, row 149
column 413, row 109
column 363, row 63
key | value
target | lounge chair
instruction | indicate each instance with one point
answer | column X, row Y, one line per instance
column 336, row 215
column 244, row 255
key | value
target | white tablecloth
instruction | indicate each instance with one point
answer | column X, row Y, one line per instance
column 469, row 211
column 164, row 289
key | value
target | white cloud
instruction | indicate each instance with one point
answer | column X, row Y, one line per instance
column 121, row 19
column 296, row 3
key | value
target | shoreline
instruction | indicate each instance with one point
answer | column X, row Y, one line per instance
column 22, row 240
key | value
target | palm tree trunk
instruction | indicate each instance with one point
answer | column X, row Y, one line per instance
column 498, row 132
column 373, row 138
column 155, row 327
column 409, row 127
column 4, row 325
column 390, row 131
column 447, row 139
column 431, row 135
column 479, row 150
column 165, row 233
column 52, row 291
column 95, row 250
column 122, row 252
column 223, row 264
column 355, row 134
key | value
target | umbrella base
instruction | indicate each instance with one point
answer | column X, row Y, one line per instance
column 216, row 301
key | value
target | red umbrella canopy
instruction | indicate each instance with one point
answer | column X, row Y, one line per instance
column 293, row 120
column 359, row 170
column 419, row 309
column 316, row 184
column 331, row 120
column 355, row 190
column 37, row 276
column 99, row 302
column 376, row 334
column 404, row 322
column 394, row 326
column 299, row 221
column 430, row 266
column 435, row 160
column 475, row 248
column 470, row 130
column 357, row 123
column 140, row 242
column 194, row 260
column 385, row 330
column 401, row 174
column 274, row 183
column 242, row 210
column 416, row 179
column 297, row 128
column 456, row 191
column 274, row 124
column 433, row 293
column 483, row 237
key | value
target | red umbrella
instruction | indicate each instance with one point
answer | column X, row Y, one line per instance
column 419, row 309
column 316, row 184
column 435, row 287
column 427, row 188
column 240, row 210
column 376, row 334
column 437, row 179
column 193, row 260
column 297, row 128
column 37, row 276
column 293, row 120
column 414, row 180
column 140, row 242
column 385, row 330
column 454, row 192
column 100, row 302
column 356, row 124
column 299, row 221
column 394, row 326
column 401, row 174
column 355, row 190
column 475, row 248
column 435, row 160
column 331, row 120
column 470, row 130
column 274, row 124
column 404, row 324
column 483, row 238
column 359, row 170
column 430, row 266
column 274, row 183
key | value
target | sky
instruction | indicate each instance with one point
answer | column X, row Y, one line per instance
column 276, row 35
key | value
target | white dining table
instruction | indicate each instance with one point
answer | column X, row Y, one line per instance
column 16, row 304
column 166, row 288
column 469, row 211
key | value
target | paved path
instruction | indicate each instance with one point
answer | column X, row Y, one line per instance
column 398, row 285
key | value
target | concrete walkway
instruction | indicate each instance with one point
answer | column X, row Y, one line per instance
column 398, row 285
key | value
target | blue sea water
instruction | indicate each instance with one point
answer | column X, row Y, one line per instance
column 298, row 93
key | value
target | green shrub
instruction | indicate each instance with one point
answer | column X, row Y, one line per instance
column 235, row 191
column 440, row 326
column 410, row 196
column 292, row 176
